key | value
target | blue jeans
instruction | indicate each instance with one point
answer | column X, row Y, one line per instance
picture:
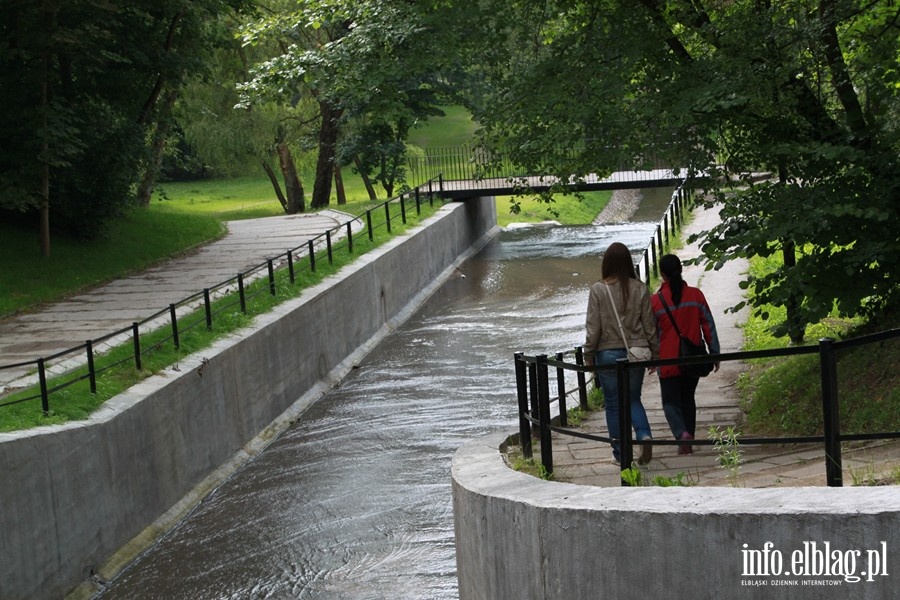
column 610, row 387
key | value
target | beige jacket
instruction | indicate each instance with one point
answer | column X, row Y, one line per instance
column 637, row 319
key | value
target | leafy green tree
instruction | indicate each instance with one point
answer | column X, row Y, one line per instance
column 805, row 90
column 362, row 60
column 86, row 91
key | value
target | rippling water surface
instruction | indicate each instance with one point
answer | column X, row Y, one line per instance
column 353, row 501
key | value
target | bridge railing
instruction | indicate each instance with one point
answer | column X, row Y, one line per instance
column 534, row 400
column 471, row 163
column 53, row 374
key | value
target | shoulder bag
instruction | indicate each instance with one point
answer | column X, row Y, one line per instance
column 687, row 348
column 636, row 353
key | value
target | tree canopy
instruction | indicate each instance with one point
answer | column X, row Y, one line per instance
column 806, row 90
column 87, row 87
column 802, row 91
column 371, row 65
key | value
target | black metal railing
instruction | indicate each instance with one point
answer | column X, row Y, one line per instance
column 475, row 163
column 534, row 399
column 665, row 232
column 200, row 309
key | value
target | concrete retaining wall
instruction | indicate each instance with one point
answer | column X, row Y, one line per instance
column 520, row 537
column 74, row 495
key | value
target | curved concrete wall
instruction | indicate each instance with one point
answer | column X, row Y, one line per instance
column 74, row 494
column 520, row 537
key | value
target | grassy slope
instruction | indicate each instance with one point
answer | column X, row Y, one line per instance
column 186, row 214
column 783, row 395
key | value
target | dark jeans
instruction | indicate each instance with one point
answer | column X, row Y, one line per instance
column 609, row 384
column 679, row 403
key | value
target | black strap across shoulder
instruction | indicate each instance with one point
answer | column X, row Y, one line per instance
column 671, row 318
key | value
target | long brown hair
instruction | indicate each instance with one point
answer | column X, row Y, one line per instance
column 617, row 264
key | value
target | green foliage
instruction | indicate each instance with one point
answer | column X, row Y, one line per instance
column 84, row 87
column 800, row 90
column 454, row 128
column 575, row 416
column 529, row 466
column 363, row 64
column 783, row 395
column 595, row 398
column 27, row 280
column 632, row 475
column 566, row 209
column 635, row 477
column 678, row 480
column 728, row 450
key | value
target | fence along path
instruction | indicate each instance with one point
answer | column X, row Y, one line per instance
column 64, row 325
column 95, row 313
column 588, row 462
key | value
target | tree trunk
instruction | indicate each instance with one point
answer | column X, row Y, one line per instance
column 328, row 134
column 44, row 211
column 278, row 193
column 44, row 214
column 840, row 75
column 796, row 332
column 339, row 185
column 154, row 161
column 370, row 189
column 150, row 102
column 296, row 203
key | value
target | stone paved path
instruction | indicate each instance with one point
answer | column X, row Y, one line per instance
column 114, row 306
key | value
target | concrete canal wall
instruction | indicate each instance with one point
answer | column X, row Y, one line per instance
column 86, row 497
column 518, row 536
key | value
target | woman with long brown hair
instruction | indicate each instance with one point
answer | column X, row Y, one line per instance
column 619, row 318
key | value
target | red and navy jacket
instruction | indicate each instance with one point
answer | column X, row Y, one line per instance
column 693, row 317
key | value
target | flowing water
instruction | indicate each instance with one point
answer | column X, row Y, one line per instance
column 354, row 500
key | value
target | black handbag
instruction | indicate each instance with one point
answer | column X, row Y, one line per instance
column 688, row 348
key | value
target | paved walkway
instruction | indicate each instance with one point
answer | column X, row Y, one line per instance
column 97, row 312
column 590, row 463
column 116, row 305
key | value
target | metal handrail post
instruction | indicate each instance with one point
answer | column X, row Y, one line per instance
column 834, row 476
column 42, row 378
column 533, row 395
column 544, row 413
column 92, row 372
column 173, row 317
column 561, row 392
column 522, row 396
column 582, row 384
column 135, row 334
column 624, row 393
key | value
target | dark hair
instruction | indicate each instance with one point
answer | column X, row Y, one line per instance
column 670, row 266
column 617, row 263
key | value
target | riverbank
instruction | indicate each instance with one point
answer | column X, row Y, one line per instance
column 80, row 491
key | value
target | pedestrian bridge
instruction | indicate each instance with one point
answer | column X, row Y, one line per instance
column 465, row 171
column 509, row 186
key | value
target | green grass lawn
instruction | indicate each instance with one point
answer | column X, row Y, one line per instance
column 782, row 396
column 138, row 240
column 455, row 128
column 117, row 370
column 183, row 215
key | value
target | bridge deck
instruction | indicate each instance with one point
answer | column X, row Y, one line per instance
column 510, row 186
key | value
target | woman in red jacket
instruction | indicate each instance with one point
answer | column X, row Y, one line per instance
column 688, row 307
